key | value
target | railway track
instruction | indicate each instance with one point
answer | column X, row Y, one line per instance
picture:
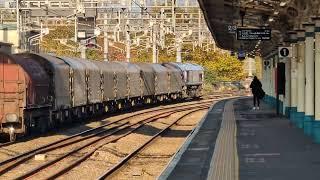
column 207, row 97
column 149, row 110
column 23, row 139
column 6, row 144
column 93, row 138
column 117, row 166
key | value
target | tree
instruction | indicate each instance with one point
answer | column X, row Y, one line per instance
column 218, row 66
column 58, row 42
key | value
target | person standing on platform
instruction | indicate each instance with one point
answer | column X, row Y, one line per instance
column 258, row 93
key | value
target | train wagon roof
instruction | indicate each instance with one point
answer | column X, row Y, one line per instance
column 129, row 66
column 75, row 64
column 90, row 65
column 31, row 67
column 153, row 67
column 52, row 59
column 186, row 66
column 109, row 66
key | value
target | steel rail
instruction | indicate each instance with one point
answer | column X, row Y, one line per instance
column 64, row 170
column 129, row 156
column 6, row 144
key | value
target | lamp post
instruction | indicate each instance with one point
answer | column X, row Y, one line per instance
column 18, row 22
column 179, row 42
column 128, row 42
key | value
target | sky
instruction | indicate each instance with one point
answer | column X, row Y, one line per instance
column 179, row 2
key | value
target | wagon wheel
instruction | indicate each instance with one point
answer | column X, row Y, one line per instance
column 12, row 136
column 43, row 125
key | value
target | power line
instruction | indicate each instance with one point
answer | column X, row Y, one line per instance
column 144, row 8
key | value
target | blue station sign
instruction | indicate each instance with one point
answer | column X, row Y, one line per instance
column 251, row 34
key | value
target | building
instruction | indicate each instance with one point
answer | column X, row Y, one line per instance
column 6, row 47
column 8, row 35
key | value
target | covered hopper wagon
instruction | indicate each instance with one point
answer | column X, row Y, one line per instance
column 41, row 91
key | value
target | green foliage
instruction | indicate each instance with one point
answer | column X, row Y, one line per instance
column 52, row 42
column 94, row 54
column 144, row 55
column 60, row 42
column 218, row 66
column 164, row 56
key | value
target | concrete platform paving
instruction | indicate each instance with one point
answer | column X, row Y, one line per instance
column 270, row 148
column 266, row 147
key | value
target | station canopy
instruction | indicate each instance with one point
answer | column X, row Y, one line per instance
column 281, row 16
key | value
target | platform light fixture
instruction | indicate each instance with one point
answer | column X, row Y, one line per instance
column 282, row 4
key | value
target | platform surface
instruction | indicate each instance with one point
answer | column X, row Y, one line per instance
column 235, row 142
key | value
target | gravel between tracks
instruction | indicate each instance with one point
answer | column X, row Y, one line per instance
column 150, row 162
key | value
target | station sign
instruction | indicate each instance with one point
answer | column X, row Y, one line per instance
column 285, row 52
column 251, row 34
column 232, row 29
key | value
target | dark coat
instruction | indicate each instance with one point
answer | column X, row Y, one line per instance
column 255, row 86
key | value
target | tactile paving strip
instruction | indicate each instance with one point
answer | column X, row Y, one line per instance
column 225, row 163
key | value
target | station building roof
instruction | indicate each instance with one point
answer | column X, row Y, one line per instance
column 281, row 16
column 8, row 26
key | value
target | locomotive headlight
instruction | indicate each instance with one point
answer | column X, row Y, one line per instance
column 11, row 117
column 11, row 129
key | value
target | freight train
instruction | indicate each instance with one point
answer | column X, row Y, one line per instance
column 42, row 91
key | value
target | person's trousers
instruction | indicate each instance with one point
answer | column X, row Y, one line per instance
column 256, row 101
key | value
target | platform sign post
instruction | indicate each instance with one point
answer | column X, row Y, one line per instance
column 232, row 29
column 241, row 55
column 285, row 52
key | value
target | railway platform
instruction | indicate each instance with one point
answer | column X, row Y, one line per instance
column 234, row 142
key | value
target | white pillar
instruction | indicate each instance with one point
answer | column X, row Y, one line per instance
column 105, row 46
column 293, row 75
column 154, row 44
column 83, row 51
column 287, row 96
column 128, row 42
column 18, row 23
column 264, row 76
column 301, row 78
column 173, row 16
column 268, row 78
column 179, row 59
column 316, row 125
column 309, row 79
column 75, row 28
column 105, row 39
column 272, row 79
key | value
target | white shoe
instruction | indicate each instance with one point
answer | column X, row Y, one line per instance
column 254, row 108
column 258, row 108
